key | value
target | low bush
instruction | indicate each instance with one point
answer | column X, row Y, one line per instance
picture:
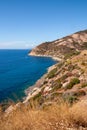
column 51, row 74
column 80, row 93
column 56, row 85
column 37, row 96
column 73, row 82
column 83, row 85
column 71, row 99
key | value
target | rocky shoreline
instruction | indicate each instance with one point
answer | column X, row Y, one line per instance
column 36, row 88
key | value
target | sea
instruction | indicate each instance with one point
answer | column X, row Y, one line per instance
column 18, row 71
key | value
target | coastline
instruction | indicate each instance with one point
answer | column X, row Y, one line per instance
column 31, row 91
column 37, row 84
column 53, row 57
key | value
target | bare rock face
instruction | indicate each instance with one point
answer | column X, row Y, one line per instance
column 62, row 47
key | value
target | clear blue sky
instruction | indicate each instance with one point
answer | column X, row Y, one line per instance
column 27, row 23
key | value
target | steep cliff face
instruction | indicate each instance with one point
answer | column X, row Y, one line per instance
column 63, row 47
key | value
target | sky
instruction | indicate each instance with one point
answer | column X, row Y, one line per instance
column 26, row 23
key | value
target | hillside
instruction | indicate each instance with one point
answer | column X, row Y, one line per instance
column 64, row 47
column 67, row 79
column 58, row 100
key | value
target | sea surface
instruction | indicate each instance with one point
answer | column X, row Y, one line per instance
column 18, row 71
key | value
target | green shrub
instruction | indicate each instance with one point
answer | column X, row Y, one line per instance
column 71, row 67
column 72, row 83
column 68, row 55
column 60, row 64
column 54, row 95
column 72, row 99
column 80, row 93
column 84, row 45
column 51, row 74
column 84, row 85
column 56, row 85
column 64, row 77
column 37, row 96
column 72, row 53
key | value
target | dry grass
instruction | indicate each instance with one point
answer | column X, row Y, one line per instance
column 56, row 117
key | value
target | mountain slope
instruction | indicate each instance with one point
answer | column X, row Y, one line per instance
column 66, row 79
column 64, row 47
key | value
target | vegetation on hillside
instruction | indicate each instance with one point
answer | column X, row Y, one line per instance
column 63, row 48
column 59, row 101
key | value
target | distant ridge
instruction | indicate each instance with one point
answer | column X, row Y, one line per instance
column 64, row 47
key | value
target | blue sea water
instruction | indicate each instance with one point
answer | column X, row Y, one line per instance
column 18, row 71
